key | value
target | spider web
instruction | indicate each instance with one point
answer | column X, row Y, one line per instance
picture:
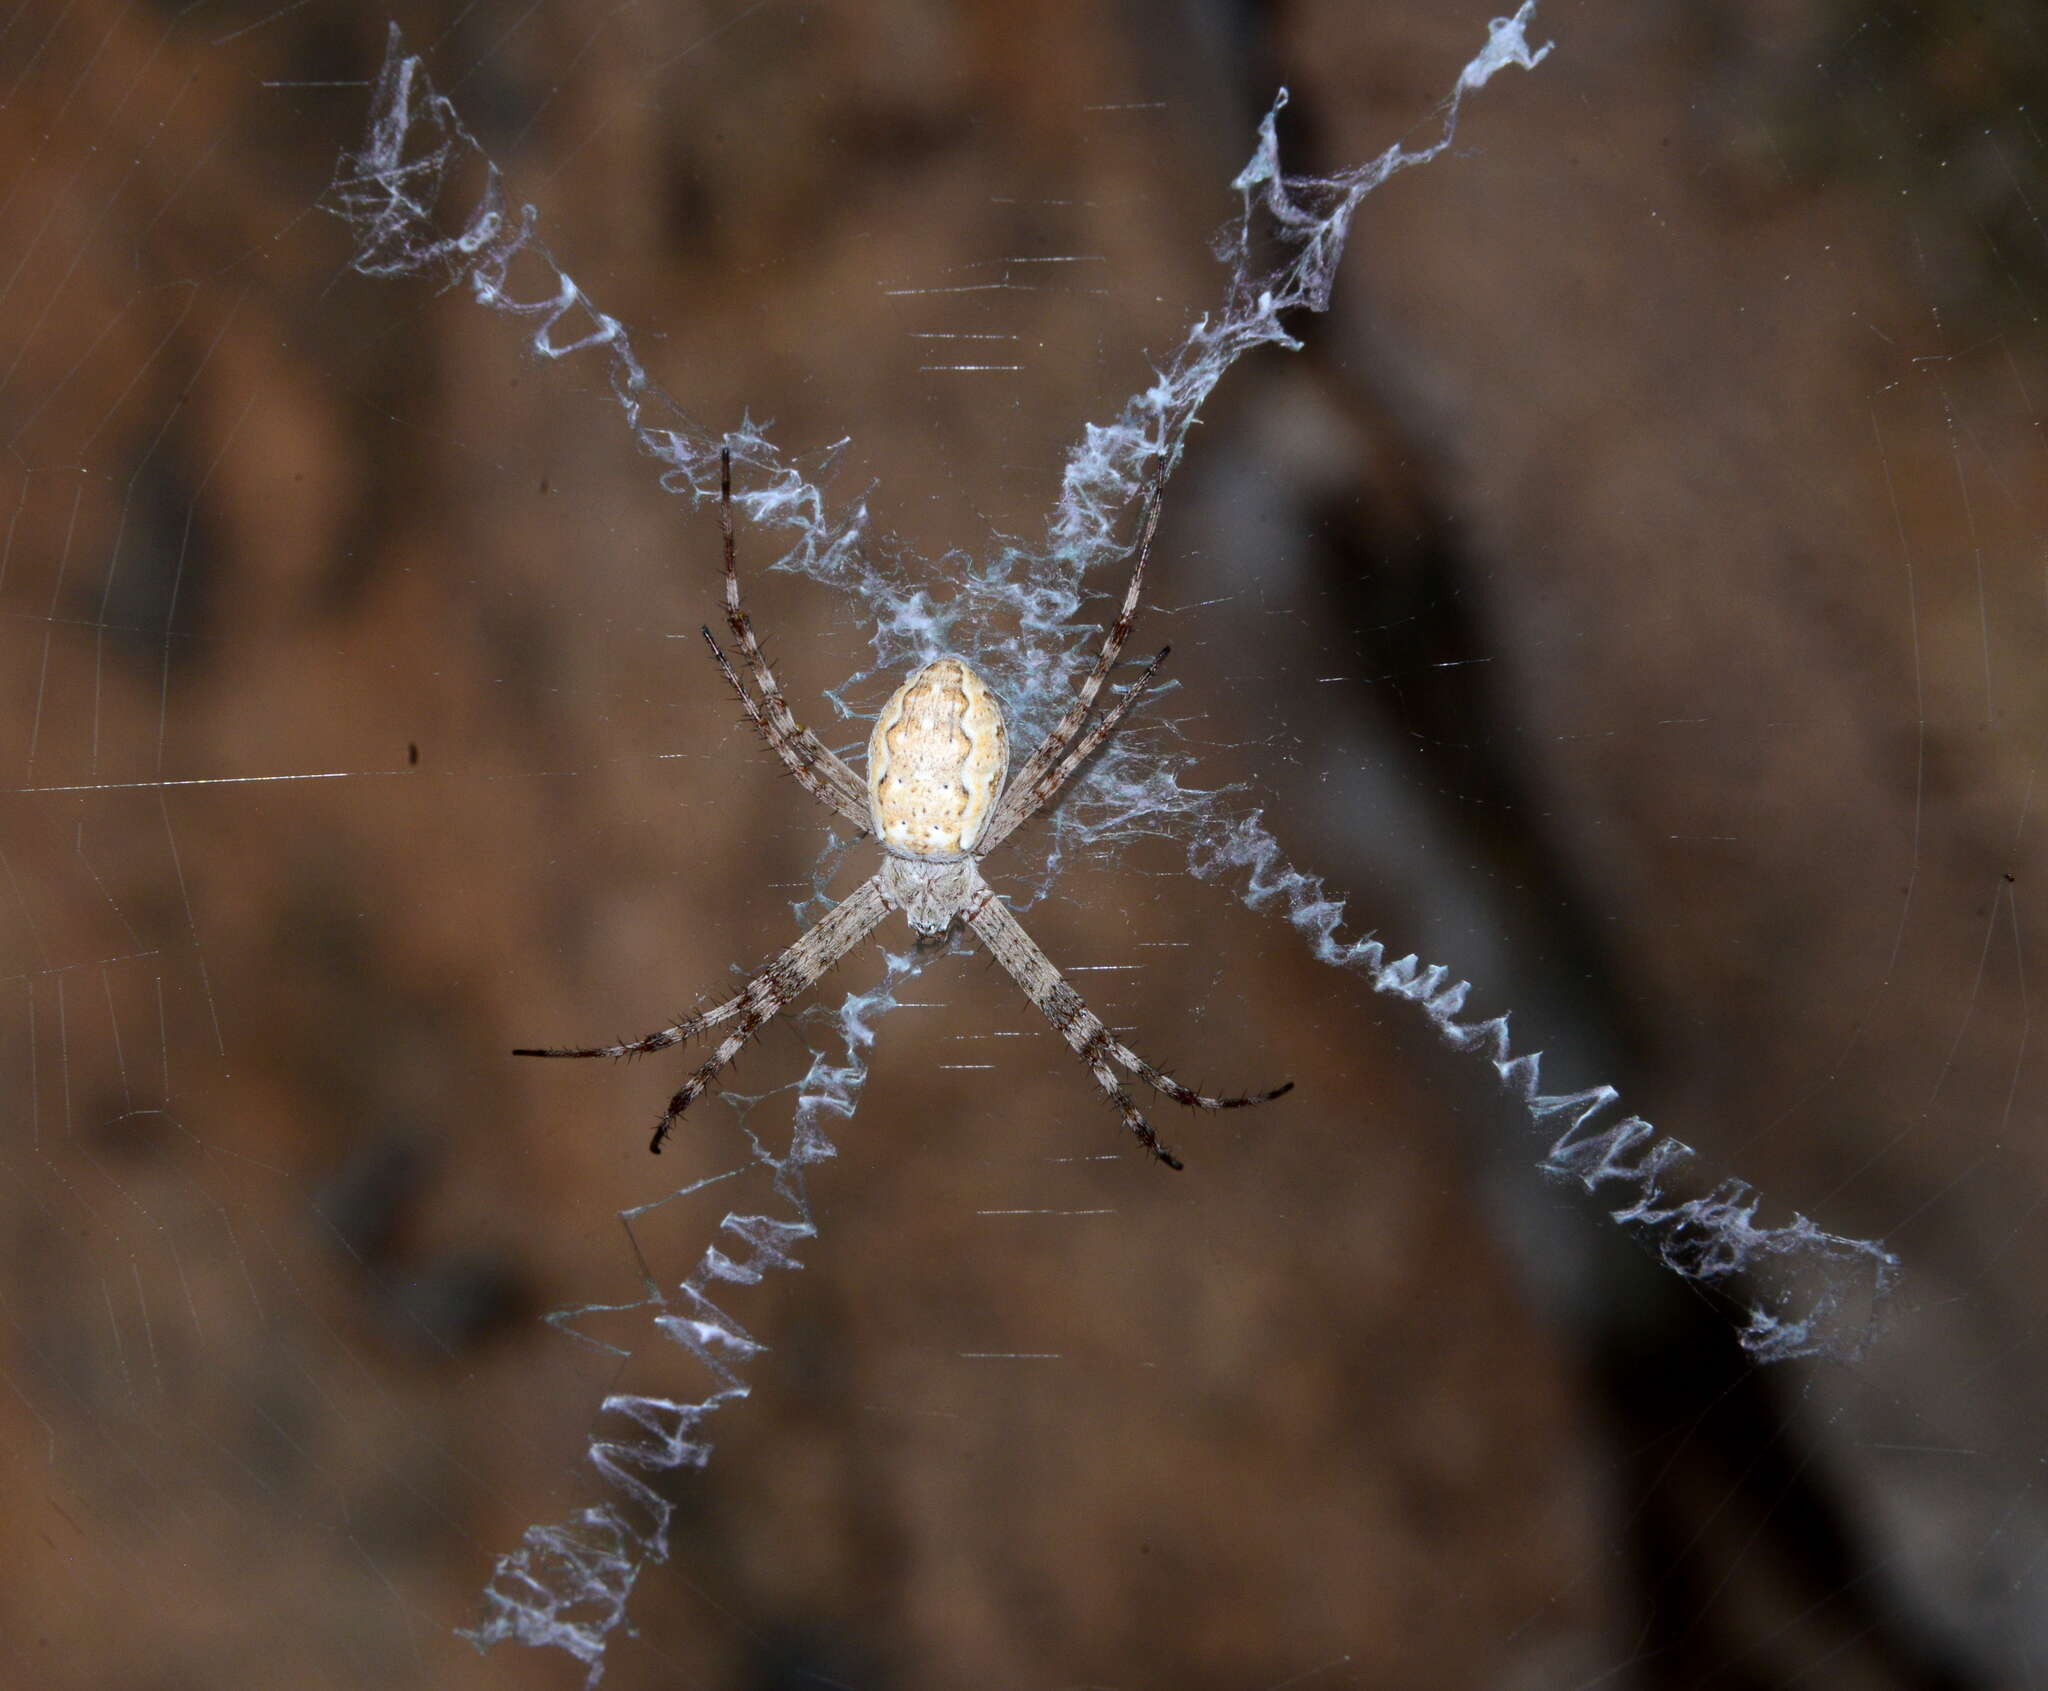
column 568, row 1586
column 272, row 1197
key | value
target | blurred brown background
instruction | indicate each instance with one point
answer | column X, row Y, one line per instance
column 1633, row 598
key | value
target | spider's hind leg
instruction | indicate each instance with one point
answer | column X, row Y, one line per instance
column 681, row 1029
column 1082, row 1029
column 779, row 985
column 755, row 1005
column 1134, row 1118
column 1161, row 1081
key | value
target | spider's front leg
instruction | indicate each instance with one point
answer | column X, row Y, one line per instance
column 804, row 758
column 819, row 769
column 1082, row 1029
column 1040, row 777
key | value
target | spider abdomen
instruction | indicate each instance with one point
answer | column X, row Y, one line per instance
column 936, row 762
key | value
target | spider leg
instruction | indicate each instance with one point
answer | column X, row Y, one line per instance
column 1026, row 798
column 1160, row 1081
column 688, row 1028
column 779, row 985
column 1048, row 751
column 796, row 743
column 1082, row 1029
column 811, row 776
column 757, row 1003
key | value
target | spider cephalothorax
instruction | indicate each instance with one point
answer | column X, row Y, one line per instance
column 937, row 803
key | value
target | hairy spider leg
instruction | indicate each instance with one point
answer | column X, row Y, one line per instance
column 1082, row 1029
column 1021, row 803
column 660, row 1040
column 1048, row 751
column 809, row 775
column 780, row 984
column 796, row 744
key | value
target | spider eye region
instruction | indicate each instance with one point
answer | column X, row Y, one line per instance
column 937, row 761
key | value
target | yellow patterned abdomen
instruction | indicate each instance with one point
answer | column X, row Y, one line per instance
column 936, row 762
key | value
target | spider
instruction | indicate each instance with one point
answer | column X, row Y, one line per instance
column 936, row 801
